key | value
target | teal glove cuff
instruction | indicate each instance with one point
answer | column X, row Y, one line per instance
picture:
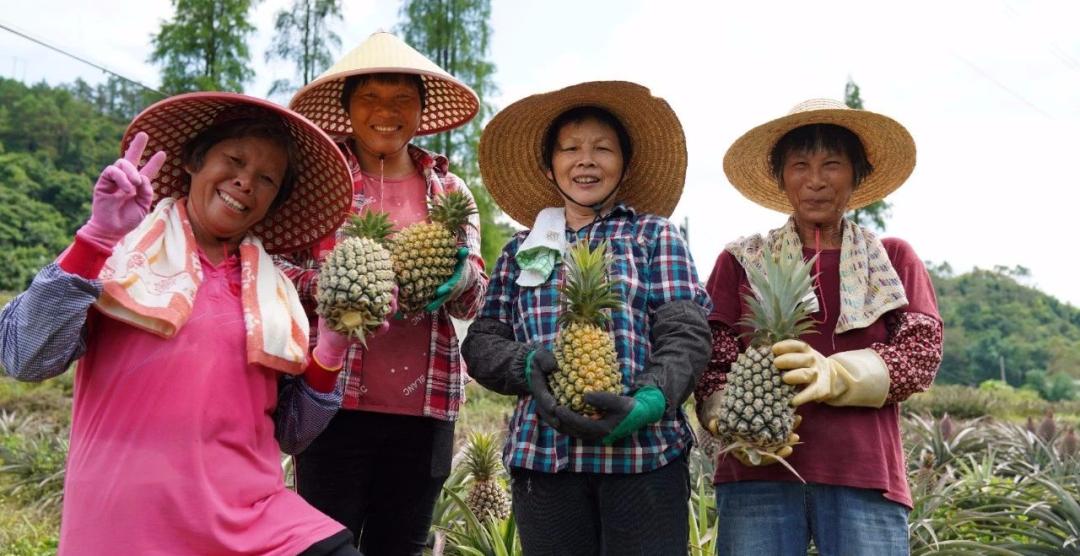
column 442, row 293
column 528, row 366
column 648, row 408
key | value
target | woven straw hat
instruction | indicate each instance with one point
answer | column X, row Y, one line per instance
column 889, row 148
column 321, row 196
column 511, row 161
column 449, row 103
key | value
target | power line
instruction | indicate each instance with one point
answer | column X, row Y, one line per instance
column 79, row 58
column 1001, row 85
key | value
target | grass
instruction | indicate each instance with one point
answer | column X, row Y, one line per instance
column 983, row 485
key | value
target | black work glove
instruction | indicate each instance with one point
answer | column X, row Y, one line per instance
column 540, row 363
column 613, row 407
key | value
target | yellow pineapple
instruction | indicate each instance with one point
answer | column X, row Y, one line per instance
column 425, row 253
column 584, row 349
column 357, row 279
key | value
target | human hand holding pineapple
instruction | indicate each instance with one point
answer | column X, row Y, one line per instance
column 618, row 417
column 849, row 378
column 539, row 364
column 428, row 261
column 442, row 293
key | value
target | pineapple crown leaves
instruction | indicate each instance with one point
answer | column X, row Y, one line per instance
column 778, row 305
column 452, row 210
column 588, row 290
column 372, row 224
column 482, row 456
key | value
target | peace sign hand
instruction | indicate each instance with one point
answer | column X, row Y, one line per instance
column 122, row 194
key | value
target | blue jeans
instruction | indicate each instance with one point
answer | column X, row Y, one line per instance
column 779, row 519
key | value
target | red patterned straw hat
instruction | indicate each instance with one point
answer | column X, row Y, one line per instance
column 321, row 196
column 889, row 148
column 449, row 103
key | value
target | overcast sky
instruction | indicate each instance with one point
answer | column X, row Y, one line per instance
column 990, row 90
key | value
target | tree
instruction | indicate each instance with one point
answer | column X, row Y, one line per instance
column 455, row 34
column 204, row 47
column 302, row 35
column 874, row 214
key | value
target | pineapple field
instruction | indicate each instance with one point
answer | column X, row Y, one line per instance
column 1005, row 481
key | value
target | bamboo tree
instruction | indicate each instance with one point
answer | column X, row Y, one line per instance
column 302, row 35
column 204, row 46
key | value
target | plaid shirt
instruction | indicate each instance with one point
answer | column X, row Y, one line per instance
column 443, row 384
column 653, row 266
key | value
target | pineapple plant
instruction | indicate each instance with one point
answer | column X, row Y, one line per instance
column 584, row 350
column 425, row 253
column 356, row 283
column 487, row 499
column 756, row 416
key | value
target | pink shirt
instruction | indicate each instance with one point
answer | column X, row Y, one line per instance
column 172, row 441
column 395, row 363
column 849, row 446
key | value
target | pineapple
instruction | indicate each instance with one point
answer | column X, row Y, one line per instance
column 425, row 253
column 357, row 281
column 756, row 415
column 584, row 350
column 487, row 498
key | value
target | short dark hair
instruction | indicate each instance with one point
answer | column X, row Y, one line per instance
column 268, row 126
column 578, row 115
column 820, row 138
column 354, row 82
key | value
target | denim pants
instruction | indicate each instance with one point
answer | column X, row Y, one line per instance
column 780, row 518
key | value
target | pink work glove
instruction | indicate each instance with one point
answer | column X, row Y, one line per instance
column 330, row 347
column 122, row 195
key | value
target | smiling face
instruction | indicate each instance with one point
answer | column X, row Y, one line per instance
column 234, row 186
column 385, row 115
column 818, row 184
column 587, row 162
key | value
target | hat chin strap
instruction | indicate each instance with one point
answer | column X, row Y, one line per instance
column 597, row 206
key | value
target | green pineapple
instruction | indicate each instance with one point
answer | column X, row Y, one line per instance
column 357, row 279
column 425, row 253
column 487, row 498
column 757, row 416
column 584, row 349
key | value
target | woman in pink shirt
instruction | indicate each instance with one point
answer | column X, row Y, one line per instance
column 878, row 338
column 193, row 366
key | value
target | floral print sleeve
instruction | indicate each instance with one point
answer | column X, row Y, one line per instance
column 912, row 353
column 725, row 349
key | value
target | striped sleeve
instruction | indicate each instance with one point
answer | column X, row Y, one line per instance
column 42, row 330
column 302, row 413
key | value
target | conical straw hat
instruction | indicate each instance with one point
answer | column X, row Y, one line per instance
column 449, row 103
column 321, row 196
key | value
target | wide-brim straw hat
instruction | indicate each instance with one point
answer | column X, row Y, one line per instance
column 514, row 172
column 889, row 148
column 448, row 103
column 322, row 193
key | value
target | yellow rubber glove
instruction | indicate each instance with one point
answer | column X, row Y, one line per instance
column 848, row 378
column 709, row 413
